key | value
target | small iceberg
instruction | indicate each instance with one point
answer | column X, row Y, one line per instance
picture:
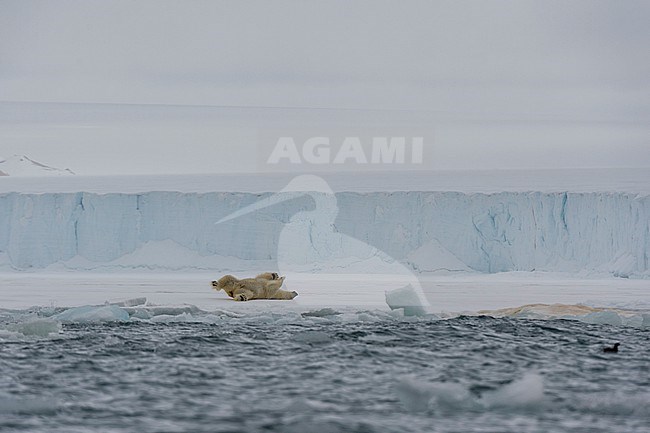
column 408, row 299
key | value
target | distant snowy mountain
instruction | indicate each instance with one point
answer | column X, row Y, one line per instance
column 20, row 165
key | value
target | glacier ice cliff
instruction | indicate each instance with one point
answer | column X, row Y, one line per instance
column 426, row 231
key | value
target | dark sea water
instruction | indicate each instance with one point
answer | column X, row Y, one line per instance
column 323, row 374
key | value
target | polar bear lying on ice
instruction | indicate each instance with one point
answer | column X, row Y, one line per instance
column 263, row 286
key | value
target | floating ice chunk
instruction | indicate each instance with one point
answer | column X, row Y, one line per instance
column 603, row 318
column 525, row 392
column 406, row 298
column 323, row 312
column 173, row 318
column 635, row 321
column 38, row 327
column 139, row 313
column 146, row 313
column 90, row 314
column 165, row 310
column 131, row 302
column 369, row 316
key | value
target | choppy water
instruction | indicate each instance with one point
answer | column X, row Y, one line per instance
column 299, row 374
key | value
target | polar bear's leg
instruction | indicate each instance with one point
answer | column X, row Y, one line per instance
column 275, row 284
column 283, row 294
column 242, row 294
column 268, row 276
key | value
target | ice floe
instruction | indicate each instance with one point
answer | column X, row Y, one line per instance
column 93, row 314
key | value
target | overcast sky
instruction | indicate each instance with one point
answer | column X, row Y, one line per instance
column 550, row 83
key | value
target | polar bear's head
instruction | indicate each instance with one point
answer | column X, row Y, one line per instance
column 224, row 283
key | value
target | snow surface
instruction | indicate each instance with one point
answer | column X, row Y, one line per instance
column 176, row 293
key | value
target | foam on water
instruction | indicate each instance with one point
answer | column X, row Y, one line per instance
column 37, row 327
column 418, row 396
column 616, row 403
column 527, row 392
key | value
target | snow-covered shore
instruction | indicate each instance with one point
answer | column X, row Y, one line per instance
column 448, row 295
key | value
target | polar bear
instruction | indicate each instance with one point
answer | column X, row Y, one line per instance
column 263, row 286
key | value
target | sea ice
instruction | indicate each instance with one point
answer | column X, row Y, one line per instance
column 90, row 314
column 406, row 298
column 323, row 312
column 135, row 302
column 147, row 312
column 603, row 318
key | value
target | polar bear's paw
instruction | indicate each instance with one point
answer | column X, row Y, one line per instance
column 241, row 297
column 294, row 294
